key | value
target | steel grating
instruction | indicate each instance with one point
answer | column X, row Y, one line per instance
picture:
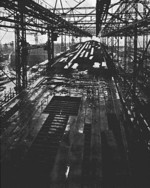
column 44, row 148
column 43, row 151
column 63, row 105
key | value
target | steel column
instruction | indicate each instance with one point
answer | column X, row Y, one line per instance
column 21, row 50
column 50, row 47
column 17, row 56
column 118, row 50
column 62, row 43
column 135, row 54
column 125, row 45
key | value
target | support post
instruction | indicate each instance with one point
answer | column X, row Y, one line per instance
column 112, row 48
column 17, row 56
column 24, row 53
column 62, row 43
column 65, row 46
column 50, row 48
column 118, row 50
column 21, row 51
column 125, row 45
column 135, row 55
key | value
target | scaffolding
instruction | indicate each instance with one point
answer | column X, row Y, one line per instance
column 31, row 16
column 126, row 41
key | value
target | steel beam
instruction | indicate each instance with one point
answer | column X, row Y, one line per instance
column 32, row 9
column 77, row 8
column 142, row 22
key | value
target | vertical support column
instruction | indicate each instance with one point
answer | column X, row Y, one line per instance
column 142, row 65
column 65, row 46
column 125, row 45
column 17, row 55
column 62, row 43
column 24, row 52
column 125, row 53
column 112, row 47
column 50, row 48
column 21, row 51
column 125, row 58
column 135, row 54
column 112, row 42
column 69, row 39
column 145, row 40
column 107, row 41
column 72, row 40
column 118, row 50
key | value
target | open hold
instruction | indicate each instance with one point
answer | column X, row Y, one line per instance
column 64, row 105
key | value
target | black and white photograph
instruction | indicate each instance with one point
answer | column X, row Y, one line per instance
column 75, row 93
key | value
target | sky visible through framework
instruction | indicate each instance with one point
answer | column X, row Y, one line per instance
column 7, row 35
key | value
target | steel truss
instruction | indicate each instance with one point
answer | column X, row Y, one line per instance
column 36, row 12
column 83, row 17
column 30, row 16
column 126, row 15
column 127, row 35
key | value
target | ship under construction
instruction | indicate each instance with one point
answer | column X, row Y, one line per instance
column 80, row 118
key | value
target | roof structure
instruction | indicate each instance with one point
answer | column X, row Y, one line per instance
column 37, row 18
column 127, row 16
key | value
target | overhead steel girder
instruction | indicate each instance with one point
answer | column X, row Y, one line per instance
column 76, row 18
column 71, row 9
column 143, row 27
column 85, row 23
column 33, row 9
column 126, row 14
column 102, row 7
column 78, row 15
column 77, row 8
